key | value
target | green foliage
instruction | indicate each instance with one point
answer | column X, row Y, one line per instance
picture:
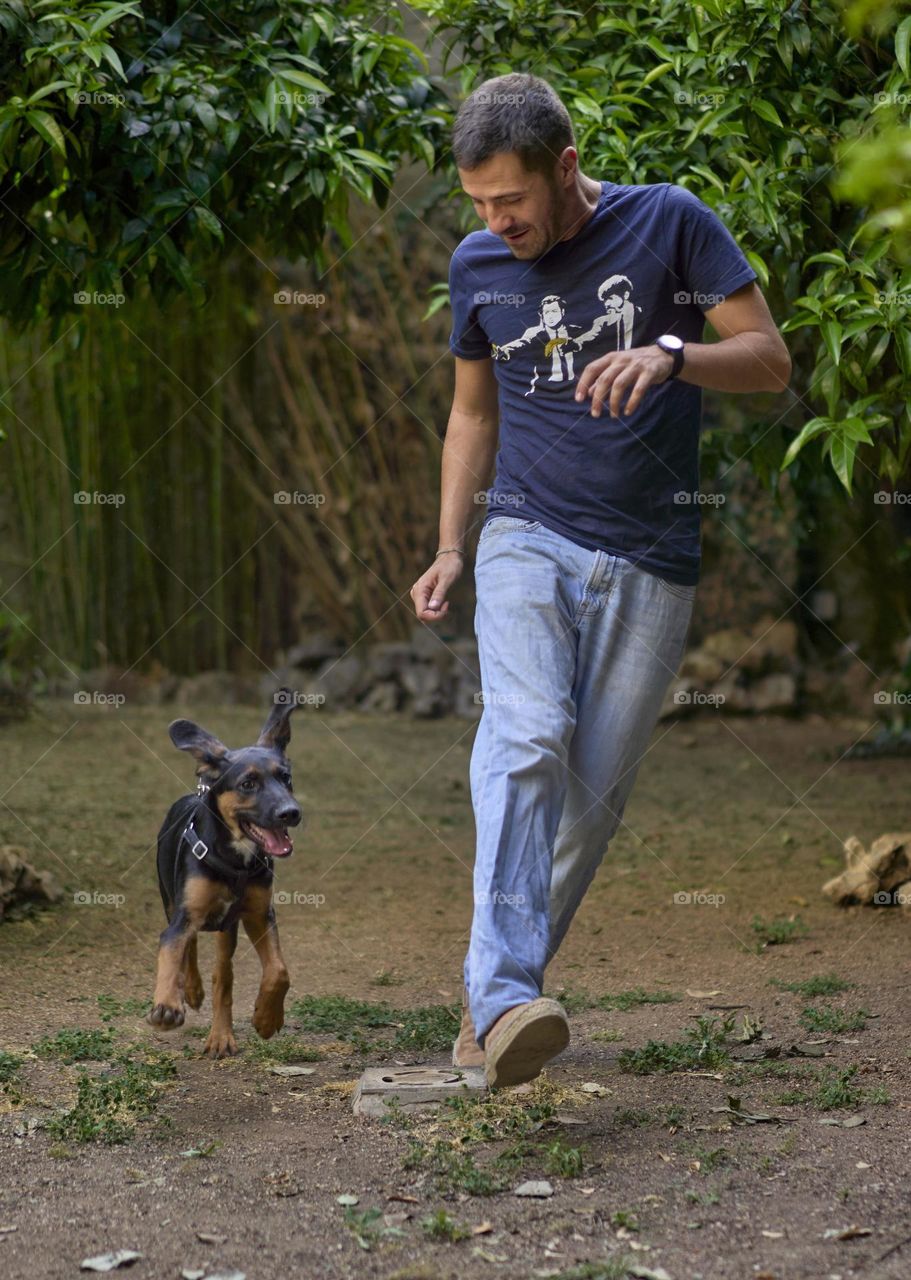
column 107, row 1106
column 703, row 1048
column 282, row 1048
column 136, row 140
column 110, row 1007
column 834, row 1020
column 453, row 1170
column 823, row 984
column 426, row 1029
column 440, row 1226
column 563, row 1161
column 748, row 104
column 74, row 1045
column 9, row 1075
column 774, row 933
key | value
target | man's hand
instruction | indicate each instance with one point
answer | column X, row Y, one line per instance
column 431, row 589
column 610, row 377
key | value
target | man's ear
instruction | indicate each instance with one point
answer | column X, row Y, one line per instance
column 210, row 753
column 276, row 732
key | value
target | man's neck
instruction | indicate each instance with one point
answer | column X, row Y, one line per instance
column 580, row 205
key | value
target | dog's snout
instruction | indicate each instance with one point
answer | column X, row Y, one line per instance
column 290, row 816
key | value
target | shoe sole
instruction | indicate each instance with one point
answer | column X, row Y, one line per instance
column 521, row 1050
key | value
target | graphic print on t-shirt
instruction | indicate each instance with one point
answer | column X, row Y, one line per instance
column 559, row 340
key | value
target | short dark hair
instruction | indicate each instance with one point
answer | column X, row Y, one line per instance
column 513, row 113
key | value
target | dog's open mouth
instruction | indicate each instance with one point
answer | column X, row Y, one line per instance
column 275, row 841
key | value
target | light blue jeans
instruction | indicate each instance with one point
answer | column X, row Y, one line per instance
column 576, row 649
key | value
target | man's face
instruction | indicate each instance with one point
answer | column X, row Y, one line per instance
column 522, row 206
column 552, row 312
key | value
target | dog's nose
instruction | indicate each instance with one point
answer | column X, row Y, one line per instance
column 290, row 816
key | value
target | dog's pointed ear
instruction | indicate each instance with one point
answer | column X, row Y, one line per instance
column 210, row 753
column 276, row 732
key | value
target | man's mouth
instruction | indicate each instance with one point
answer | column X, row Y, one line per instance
column 516, row 236
column 273, row 841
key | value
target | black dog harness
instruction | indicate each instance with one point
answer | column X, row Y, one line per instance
column 236, row 878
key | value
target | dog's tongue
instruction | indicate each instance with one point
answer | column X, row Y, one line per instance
column 277, row 843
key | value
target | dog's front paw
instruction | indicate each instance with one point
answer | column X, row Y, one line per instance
column 268, row 1016
column 220, row 1044
column 166, row 1016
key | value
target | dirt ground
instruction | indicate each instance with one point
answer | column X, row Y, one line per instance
column 754, row 810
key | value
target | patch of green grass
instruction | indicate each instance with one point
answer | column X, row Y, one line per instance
column 563, row 1161
column 835, row 1089
column 493, row 1117
column 287, row 1048
column 609, row 1269
column 609, row 1037
column 674, row 1116
column 774, row 933
column 834, row 1020
column 366, row 1227
column 428, row 1029
column 709, row 1160
column 823, row 984
column 632, row 1117
column 624, row 1218
column 440, row 1226
column 703, row 1049
column 9, row 1076
column 425, row 1030
column 110, row 1007
column 386, row 978
column 107, row 1106
column 74, row 1045
column 337, row 1015
column 453, row 1170
column 576, row 1001
column 703, row 1197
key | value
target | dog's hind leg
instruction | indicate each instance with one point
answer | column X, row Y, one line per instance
column 221, row 1042
column 259, row 922
column 192, row 981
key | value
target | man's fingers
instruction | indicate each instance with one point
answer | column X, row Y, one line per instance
column 621, row 385
column 590, row 375
column 642, row 385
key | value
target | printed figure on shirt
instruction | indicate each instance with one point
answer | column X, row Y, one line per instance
column 618, row 318
column 552, row 332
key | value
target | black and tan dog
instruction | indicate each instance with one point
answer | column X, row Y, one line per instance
column 215, row 852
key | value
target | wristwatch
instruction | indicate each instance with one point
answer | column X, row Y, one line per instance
column 673, row 345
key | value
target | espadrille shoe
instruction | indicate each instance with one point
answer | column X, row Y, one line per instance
column 466, row 1052
column 520, row 1042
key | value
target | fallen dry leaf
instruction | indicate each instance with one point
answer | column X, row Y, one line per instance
column 703, row 995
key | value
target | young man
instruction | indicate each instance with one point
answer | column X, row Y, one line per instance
column 578, row 318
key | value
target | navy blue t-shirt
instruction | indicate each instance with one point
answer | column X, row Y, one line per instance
column 650, row 260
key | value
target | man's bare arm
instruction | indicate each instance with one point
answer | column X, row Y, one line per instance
column 469, row 450
column 750, row 356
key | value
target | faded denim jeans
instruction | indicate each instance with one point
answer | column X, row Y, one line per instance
column 577, row 649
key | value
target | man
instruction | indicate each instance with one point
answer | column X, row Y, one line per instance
column 584, row 591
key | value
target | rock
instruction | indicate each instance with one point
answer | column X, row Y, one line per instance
column 389, row 658
column 20, row 883
column 313, row 651
column 214, row 688
column 423, row 681
column 774, row 645
column 701, row 667
column 340, row 681
column 728, row 646
column 734, row 692
column 383, row 697
column 536, row 1190
column 428, row 644
column 775, row 692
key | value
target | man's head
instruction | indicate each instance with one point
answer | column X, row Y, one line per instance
column 515, row 150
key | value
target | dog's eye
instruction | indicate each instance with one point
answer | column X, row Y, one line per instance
column 285, row 779
column 248, row 784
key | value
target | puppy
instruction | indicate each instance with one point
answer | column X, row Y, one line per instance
column 215, row 860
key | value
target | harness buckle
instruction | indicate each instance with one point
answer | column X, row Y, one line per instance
column 202, row 787
column 197, row 845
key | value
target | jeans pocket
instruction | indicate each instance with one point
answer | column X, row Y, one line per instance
column 508, row 524
column 682, row 590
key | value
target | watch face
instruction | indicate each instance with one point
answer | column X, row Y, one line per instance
column 671, row 340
